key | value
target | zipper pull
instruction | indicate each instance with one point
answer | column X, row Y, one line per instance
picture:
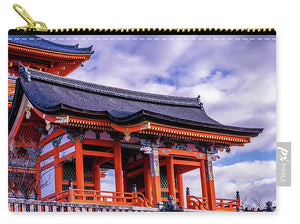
column 31, row 24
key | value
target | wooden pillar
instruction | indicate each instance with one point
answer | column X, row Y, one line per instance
column 180, row 186
column 38, row 174
column 203, row 178
column 155, row 176
column 147, row 181
column 57, row 171
column 96, row 171
column 171, row 176
column 125, row 182
column 210, row 183
column 79, row 164
column 118, row 167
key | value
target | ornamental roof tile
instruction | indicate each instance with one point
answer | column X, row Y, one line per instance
column 42, row 43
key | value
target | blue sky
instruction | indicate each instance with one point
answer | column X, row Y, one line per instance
column 234, row 75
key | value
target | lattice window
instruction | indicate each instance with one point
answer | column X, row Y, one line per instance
column 69, row 171
column 163, row 177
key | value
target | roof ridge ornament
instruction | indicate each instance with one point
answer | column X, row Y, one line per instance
column 199, row 102
column 24, row 72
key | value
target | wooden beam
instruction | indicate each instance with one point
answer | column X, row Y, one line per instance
column 186, row 162
column 137, row 162
column 98, row 154
column 65, row 146
column 52, row 136
column 135, row 172
column 97, row 142
column 181, row 153
column 188, row 169
column 104, row 160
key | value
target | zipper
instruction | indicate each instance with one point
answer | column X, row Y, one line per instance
column 37, row 27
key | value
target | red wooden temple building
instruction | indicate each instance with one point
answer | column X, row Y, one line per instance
column 149, row 141
column 43, row 55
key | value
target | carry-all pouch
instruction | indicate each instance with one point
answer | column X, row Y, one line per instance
column 148, row 120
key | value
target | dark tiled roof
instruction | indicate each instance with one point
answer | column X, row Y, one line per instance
column 38, row 42
column 58, row 95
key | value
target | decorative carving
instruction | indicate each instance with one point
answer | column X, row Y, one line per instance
column 61, row 120
column 72, row 137
column 146, row 149
column 182, row 147
column 127, row 136
column 154, row 162
column 28, row 111
column 48, row 125
column 164, row 151
column 199, row 154
column 56, row 141
column 208, row 168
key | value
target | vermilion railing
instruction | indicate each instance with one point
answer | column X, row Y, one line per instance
column 227, row 204
column 199, row 203
column 100, row 197
column 59, row 197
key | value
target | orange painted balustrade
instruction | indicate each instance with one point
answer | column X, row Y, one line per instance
column 201, row 203
column 227, row 204
column 100, row 197
column 60, row 197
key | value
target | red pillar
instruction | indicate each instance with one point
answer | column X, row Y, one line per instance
column 170, row 174
column 118, row 167
column 79, row 164
column 210, row 184
column 58, row 171
column 155, row 177
column 203, row 178
column 147, row 181
column 38, row 174
column 180, row 186
column 96, row 170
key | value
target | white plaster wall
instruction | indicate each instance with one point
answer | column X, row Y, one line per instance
column 48, row 178
column 67, row 151
column 64, row 139
column 47, row 148
column 46, row 161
